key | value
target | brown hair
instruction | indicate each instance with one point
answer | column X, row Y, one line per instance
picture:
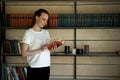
column 38, row 13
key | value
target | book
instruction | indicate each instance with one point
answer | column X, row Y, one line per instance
column 55, row 44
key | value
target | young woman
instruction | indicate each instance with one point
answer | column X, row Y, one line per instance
column 34, row 47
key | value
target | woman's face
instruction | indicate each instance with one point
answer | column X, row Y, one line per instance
column 42, row 20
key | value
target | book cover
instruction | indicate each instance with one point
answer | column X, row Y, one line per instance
column 55, row 44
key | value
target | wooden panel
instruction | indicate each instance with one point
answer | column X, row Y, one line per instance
column 62, row 59
column 97, row 78
column 62, row 70
column 61, row 77
column 98, row 7
column 98, row 70
column 52, row 7
column 64, row 34
column 98, row 34
column 16, row 59
column 12, row 34
column 100, row 46
column 98, row 60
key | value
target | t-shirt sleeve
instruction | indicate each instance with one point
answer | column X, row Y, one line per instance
column 26, row 38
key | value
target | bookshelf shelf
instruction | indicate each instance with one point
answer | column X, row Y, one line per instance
column 97, row 54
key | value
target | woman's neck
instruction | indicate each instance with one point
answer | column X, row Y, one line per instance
column 37, row 28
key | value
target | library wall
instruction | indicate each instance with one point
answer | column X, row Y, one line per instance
column 98, row 7
column 99, row 40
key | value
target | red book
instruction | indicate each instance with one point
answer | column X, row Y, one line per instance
column 55, row 44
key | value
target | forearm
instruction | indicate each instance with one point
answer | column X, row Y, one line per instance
column 31, row 52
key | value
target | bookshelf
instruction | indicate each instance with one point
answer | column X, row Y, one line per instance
column 103, row 40
column 0, row 33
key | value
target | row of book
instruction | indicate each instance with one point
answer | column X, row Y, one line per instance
column 11, row 47
column 17, row 20
column 65, row 20
column 13, row 73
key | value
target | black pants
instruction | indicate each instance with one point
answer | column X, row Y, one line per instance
column 38, row 73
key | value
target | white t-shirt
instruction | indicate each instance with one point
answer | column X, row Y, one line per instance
column 35, row 40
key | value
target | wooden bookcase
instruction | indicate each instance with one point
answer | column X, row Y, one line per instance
column 101, row 63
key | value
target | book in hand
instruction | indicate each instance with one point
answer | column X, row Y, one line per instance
column 55, row 44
